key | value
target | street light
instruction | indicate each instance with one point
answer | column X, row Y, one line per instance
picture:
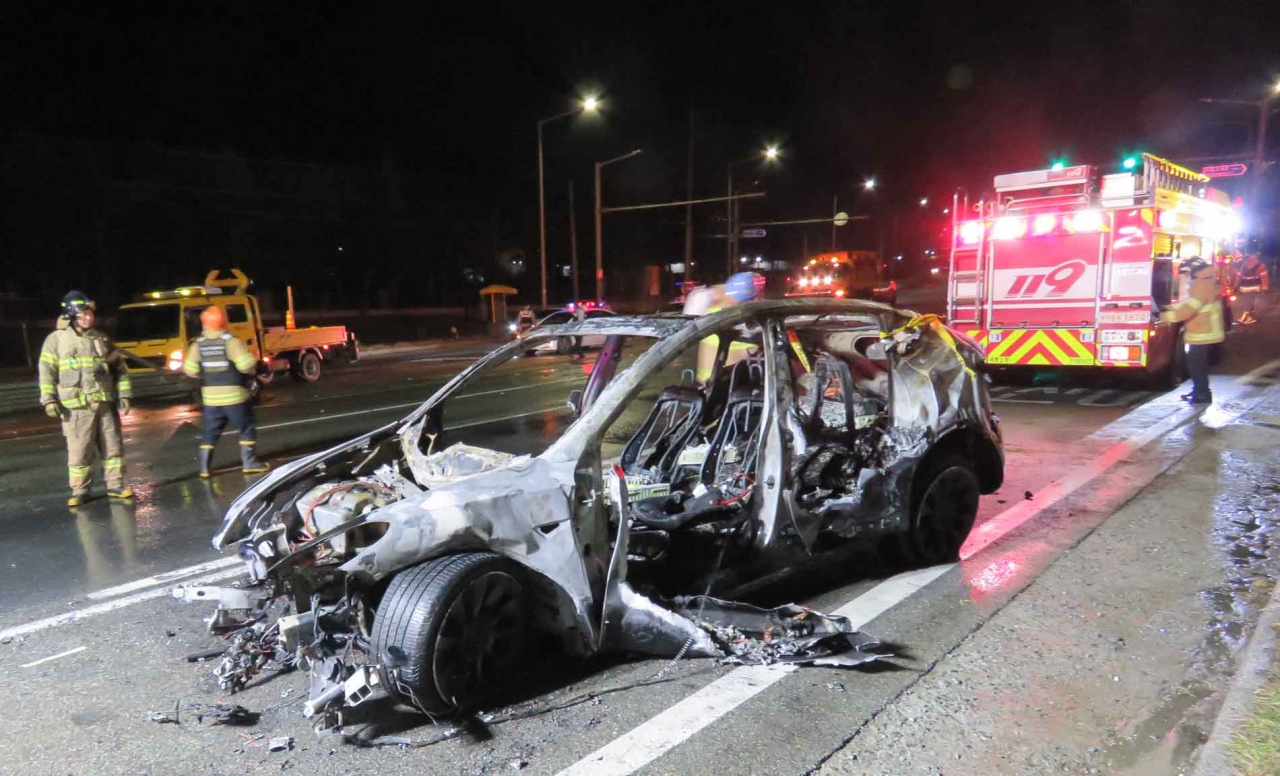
column 770, row 154
column 869, row 184
column 599, row 225
column 588, row 105
column 924, row 202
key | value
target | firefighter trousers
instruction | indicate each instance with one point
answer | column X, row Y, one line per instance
column 93, row 432
column 238, row 415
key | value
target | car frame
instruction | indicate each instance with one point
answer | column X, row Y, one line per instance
column 465, row 553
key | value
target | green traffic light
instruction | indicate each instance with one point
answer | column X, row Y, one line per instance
column 1129, row 162
column 1058, row 165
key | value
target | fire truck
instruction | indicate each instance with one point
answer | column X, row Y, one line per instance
column 1070, row 266
column 841, row 274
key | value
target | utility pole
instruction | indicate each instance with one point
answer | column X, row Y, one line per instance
column 542, row 219
column 728, row 221
column 1259, row 153
column 688, row 210
column 835, row 208
column 600, row 225
column 573, row 243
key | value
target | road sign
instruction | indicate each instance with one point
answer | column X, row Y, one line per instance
column 841, row 219
column 753, row 233
column 1225, row 170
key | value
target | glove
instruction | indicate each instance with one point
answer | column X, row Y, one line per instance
column 53, row 410
column 123, row 405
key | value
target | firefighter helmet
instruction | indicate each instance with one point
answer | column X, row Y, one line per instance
column 744, row 286
column 75, row 303
column 1194, row 266
column 213, row 318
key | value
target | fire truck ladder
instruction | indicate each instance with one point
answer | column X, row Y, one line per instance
column 974, row 279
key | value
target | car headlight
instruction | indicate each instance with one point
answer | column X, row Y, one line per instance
column 511, row 328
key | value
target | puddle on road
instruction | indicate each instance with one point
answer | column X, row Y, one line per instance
column 1246, row 513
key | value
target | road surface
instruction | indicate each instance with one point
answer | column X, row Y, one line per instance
column 90, row 643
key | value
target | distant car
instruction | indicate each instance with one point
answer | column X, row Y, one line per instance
column 564, row 345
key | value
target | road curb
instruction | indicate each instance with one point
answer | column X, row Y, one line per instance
column 1255, row 667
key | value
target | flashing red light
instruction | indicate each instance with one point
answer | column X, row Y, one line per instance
column 1009, row 228
column 839, row 293
column 1233, row 297
column 1044, row 224
column 971, row 232
column 1086, row 221
column 572, row 307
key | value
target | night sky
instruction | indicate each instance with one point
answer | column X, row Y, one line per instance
column 923, row 97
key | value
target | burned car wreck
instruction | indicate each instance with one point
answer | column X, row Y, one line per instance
column 700, row 456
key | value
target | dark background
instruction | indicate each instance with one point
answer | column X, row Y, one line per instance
column 140, row 146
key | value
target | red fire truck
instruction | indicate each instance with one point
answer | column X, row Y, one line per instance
column 840, row 274
column 1069, row 267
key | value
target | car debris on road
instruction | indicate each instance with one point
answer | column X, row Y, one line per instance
column 418, row 565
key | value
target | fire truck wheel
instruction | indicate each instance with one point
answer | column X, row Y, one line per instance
column 307, row 368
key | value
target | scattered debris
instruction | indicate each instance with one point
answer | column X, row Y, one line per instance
column 280, row 744
column 229, row 714
column 208, row 654
column 167, row 717
column 170, row 634
column 519, row 765
column 1028, row 495
column 837, row 686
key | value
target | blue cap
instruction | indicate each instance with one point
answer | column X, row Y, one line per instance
column 744, row 286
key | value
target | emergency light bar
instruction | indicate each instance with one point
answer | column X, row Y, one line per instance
column 183, row 293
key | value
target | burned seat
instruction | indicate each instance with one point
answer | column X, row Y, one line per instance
column 672, row 423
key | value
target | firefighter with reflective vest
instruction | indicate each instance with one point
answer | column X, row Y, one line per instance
column 1252, row 281
column 740, row 288
column 221, row 362
column 1202, row 312
column 84, row 383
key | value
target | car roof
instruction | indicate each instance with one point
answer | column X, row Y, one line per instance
column 668, row 324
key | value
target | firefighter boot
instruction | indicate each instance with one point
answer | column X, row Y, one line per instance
column 119, row 494
column 206, row 461
column 249, row 463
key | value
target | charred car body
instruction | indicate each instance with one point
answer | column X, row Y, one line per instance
column 415, row 561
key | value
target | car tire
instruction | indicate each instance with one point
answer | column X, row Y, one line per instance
column 944, row 503
column 307, row 369
column 450, row 631
column 564, row 345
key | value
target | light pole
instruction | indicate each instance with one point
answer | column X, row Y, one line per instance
column 770, row 154
column 600, row 224
column 589, row 105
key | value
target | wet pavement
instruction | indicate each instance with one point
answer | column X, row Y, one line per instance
column 1001, row 650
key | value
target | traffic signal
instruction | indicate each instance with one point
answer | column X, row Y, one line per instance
column 1058, row 164
column 1130, row 162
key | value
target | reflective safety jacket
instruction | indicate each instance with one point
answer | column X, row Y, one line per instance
column 1202, row 310
column 80, row 370
column 1252, row 277
column 218, row 360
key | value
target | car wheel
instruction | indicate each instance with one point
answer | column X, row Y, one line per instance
column 564, row 345
column 943, row 511
column 448, row 632
column 307, row 369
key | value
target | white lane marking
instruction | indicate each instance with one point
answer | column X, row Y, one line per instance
column 660, row 734
column 411, row 404
column 137, row 598
column 51, row 658
column 107, row 606
column 1014, row 516
column 164, row 578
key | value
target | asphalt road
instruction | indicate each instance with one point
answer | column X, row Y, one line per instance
column 78, row 692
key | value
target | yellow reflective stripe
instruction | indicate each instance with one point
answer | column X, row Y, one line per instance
column 222, row 390
column 191, row 368
column 48, row 358
column 112, row 463
column 1193, row 303
column 74, row 403
column 244, row 362
column 247, row 443
column 222, row 395
column 206, row 447
column 47, row 388
column 78, row 470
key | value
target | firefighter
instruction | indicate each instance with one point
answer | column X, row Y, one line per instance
column 1252, row 281
column 220, row 361
column 1202, row 311
column 83, row 382
column 740, row 288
